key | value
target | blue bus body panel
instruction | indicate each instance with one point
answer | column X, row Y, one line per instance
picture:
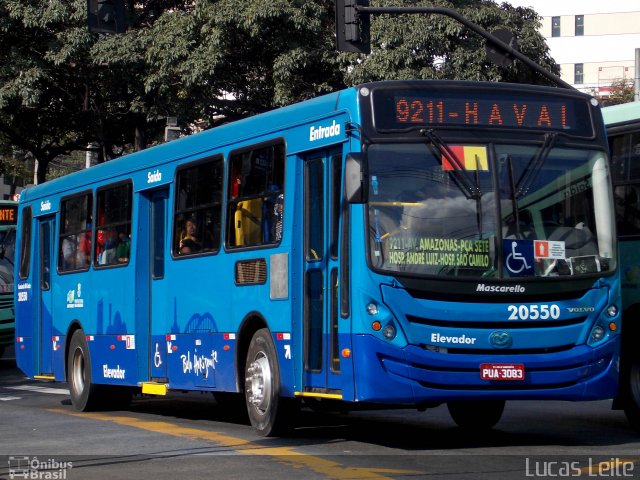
column 192, row 341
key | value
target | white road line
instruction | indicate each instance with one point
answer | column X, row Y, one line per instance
column 6, row 399
column 35, row 388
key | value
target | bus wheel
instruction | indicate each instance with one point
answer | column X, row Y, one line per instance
column 267, row 410
column 632, row 395
column 476, row 415
column 84, row 395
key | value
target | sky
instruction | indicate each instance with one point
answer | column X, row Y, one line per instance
column 571, row 7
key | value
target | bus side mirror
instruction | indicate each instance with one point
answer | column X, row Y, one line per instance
column 354, row 179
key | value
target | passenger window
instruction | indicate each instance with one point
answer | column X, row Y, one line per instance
column 198, row 209
column 75, row 233
column 113, row 230
column 256, row 196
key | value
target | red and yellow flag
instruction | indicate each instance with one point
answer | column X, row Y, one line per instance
column 470, row 157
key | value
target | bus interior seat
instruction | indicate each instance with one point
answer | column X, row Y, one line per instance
column 248, row 221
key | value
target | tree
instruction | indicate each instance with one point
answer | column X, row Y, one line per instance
column 213, row 61
column 42, row 91
column 438, row 47
column 242, row 58
column 622, row 91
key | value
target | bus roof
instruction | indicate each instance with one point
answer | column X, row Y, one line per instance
column 621, row 114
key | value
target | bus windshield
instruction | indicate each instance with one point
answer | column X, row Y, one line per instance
column 7, row 249
column 485, row 210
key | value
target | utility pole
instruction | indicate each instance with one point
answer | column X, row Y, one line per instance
column 636, row 80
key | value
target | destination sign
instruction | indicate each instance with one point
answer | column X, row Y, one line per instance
column 401, row 110
column 8, row 215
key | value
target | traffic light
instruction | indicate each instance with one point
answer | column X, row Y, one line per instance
column 106, row 16
column 352, row 28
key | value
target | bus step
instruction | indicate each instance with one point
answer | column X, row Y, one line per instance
column 152, row 388
column 44, row 378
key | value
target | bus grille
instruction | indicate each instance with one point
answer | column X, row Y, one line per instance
column 498, row 324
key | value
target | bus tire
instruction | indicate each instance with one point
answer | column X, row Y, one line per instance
column 476, row 414
column 631, row 395
column 84, row 394
column 267, row 410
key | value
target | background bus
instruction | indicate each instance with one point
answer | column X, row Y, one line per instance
column 623, row 127
column 8, row 220
column 394, row 244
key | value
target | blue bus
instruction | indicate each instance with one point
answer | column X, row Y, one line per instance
column 394, row 244
column 8, row 220
column 623, row 127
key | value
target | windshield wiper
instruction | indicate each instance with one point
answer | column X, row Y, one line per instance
column 534, row 166
column 459, row 174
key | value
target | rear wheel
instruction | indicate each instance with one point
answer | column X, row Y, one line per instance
column 476, row 415
column 269, row 413
column 84, row 395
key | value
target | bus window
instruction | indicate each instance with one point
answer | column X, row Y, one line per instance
column 256, row 196
column 75, row 233
column 198, row 210
column 25, row 244
column 634, row 157
column 113, row 234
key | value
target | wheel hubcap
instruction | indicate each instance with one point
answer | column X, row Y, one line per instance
column 77, row 374
column 258, row 383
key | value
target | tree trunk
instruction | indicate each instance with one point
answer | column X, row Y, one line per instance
column 41, row 172
column 141, row 143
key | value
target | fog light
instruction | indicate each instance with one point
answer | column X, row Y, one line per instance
column 389, row 332
column 612, row 311
column 597, row 333
column 372, row 309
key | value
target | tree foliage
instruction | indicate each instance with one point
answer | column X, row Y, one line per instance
column 438, row 47
column 63, row 89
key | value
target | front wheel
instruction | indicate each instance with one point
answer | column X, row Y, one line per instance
column 84, row 394
column 268, row 412
column 631, row 396
column 476, row 415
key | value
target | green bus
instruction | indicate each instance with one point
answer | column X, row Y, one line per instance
column 623, row 128
column 8, row 218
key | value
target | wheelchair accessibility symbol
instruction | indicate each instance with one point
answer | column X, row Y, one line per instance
column 519, row 257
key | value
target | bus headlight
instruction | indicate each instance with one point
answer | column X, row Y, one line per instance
column 597, row 334
column 372, row 309
column 389, row 331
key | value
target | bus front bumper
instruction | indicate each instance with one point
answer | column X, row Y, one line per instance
column 416, row 376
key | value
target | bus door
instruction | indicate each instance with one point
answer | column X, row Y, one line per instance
column 158, row 293
column 322, row 187
column 44, row 244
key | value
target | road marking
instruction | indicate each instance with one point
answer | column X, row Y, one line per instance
column 6, row 399
column 35, row 388
column 285, row 455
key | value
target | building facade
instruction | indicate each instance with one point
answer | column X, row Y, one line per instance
column 594, row 42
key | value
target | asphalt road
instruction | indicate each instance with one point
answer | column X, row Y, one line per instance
column 189, row 436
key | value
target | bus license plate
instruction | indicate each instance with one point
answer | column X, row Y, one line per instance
column 497, row 371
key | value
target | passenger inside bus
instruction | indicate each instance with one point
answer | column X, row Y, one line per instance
column 189, row 242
